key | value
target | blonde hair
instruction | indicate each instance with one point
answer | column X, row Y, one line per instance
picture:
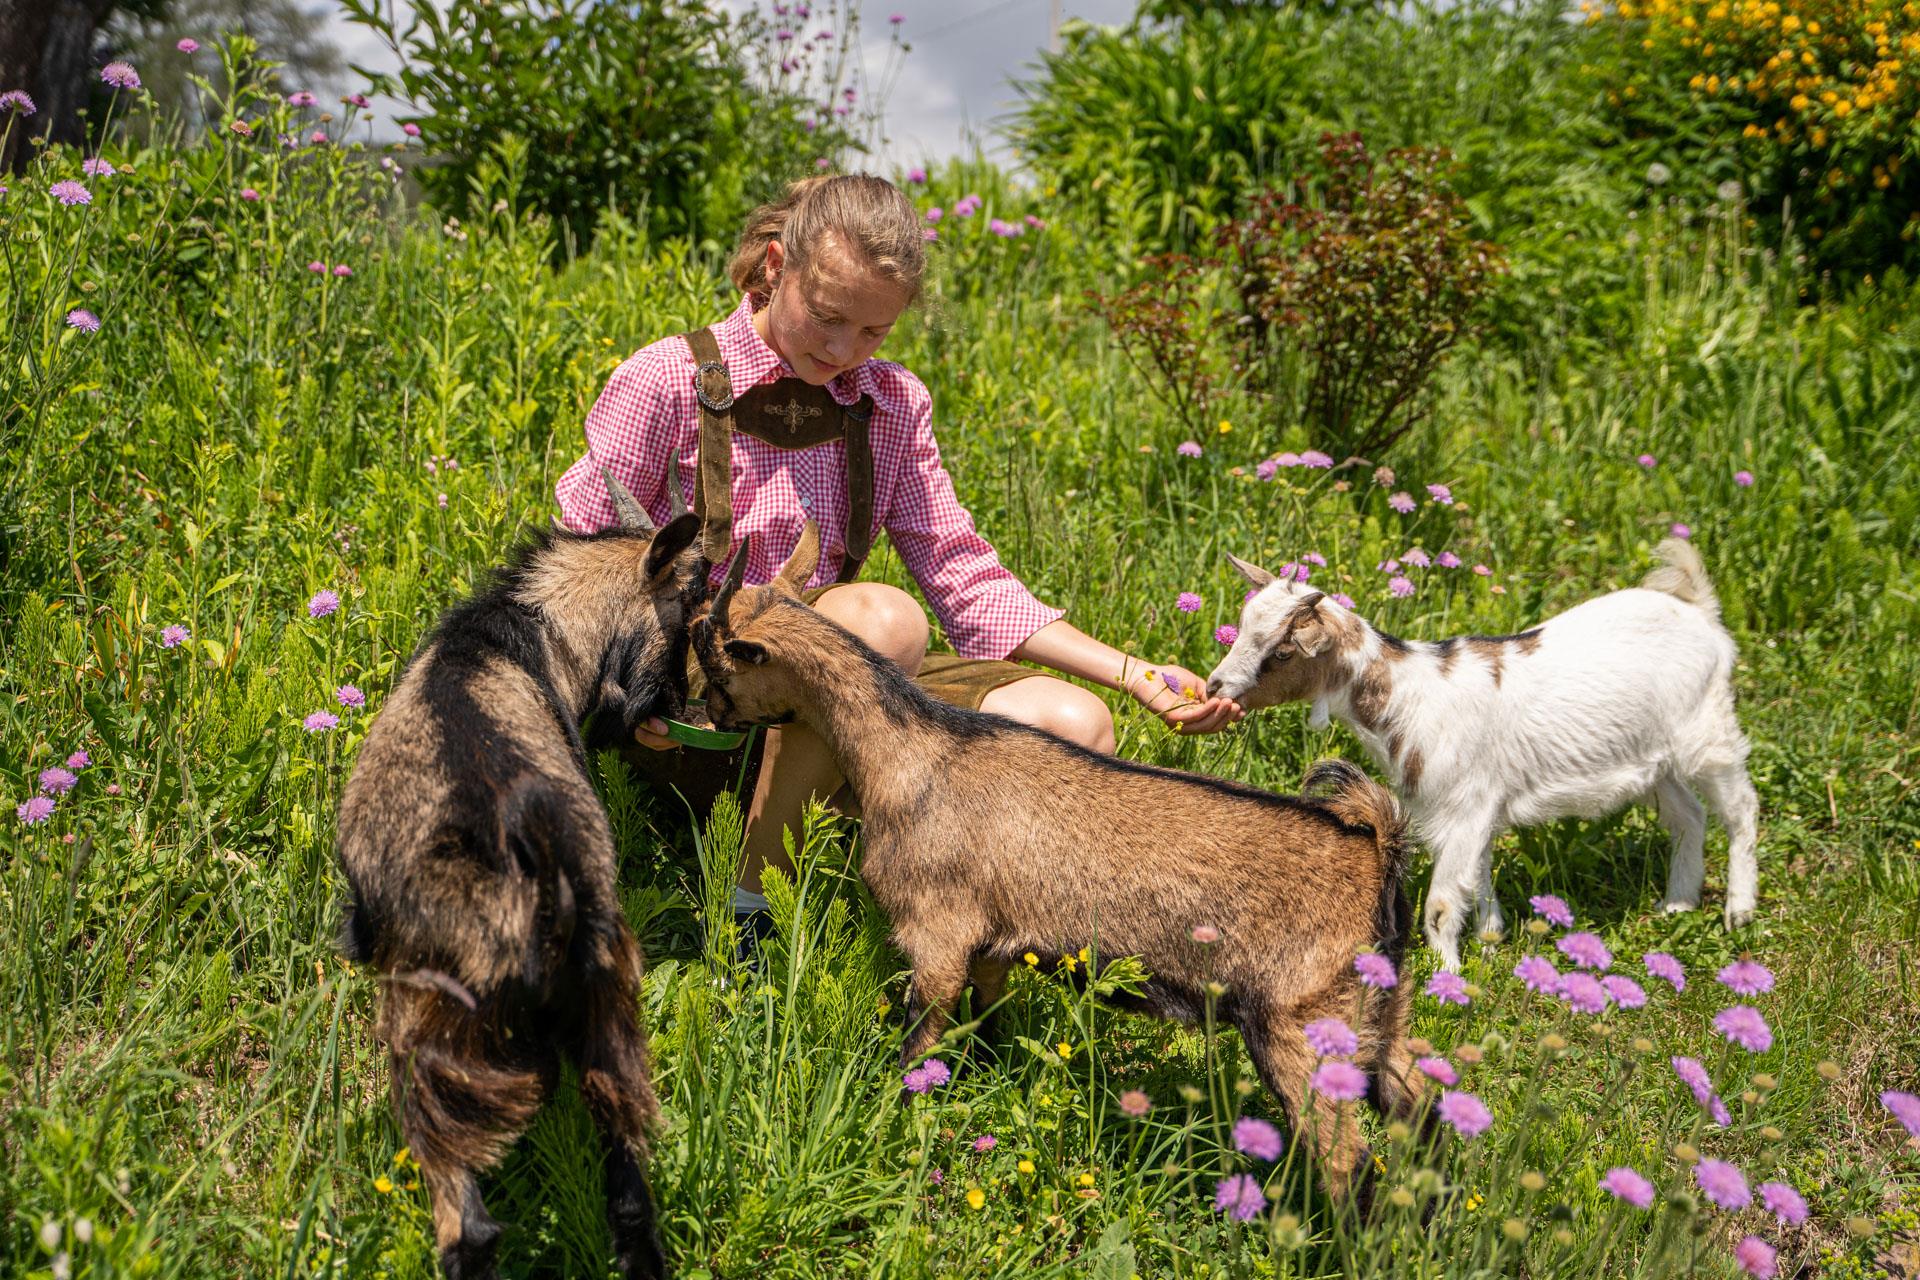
column 869, row 216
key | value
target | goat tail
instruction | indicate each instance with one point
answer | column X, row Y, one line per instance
column 1683, row 575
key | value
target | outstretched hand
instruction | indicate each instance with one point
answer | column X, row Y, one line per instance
column 1179, row 697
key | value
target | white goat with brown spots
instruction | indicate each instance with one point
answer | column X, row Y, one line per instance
column 1625, row 697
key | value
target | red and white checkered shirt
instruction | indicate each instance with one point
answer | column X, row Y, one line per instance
column 649, row 410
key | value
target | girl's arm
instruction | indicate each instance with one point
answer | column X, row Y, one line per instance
column 1071, row 651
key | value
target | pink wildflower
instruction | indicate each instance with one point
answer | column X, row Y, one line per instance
column 1626, row 993
column 1187, row 602
column 1331, row 1038
column 1438, row 1069
column 1746, row 977
column 1583, row 993
column 323, row 603
column 1467, row 1114
column 1339, row 1080
column 1661, row 965
column 1402, row 502
column 985, row 1142
column 1226, row 633
column 1757, row 1258
column 120, row 75
column 1905, row 1108
column 1784, row 1203
column 1240, row 1197
column 33, row 811
column 1448, row 988
column 1585, row 950
column 1400, row 586
column 1315, row 458
column 1723, row 1184
column 1255, row 1137
column 320, row 722
column 1539, row 974
column 1648, row 461
column 1744, row 479
column 56, row 781
column 1552, row 909
column 1375, row 970
column 1440, row 494
column 1743, row 1025
column 1188, row 449
column 1135, row 1103
column 1626, row 1184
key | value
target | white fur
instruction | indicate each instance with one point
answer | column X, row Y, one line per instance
column 1627, row 697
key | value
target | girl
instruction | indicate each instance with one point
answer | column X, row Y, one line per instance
column 779, row 413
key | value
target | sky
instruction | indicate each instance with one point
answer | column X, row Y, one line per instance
column 956, row 80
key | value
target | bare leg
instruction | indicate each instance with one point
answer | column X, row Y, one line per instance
column 796, row 765
column 1063, row 709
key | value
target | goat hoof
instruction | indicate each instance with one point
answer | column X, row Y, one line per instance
column 1674, row 906
column 1739, row 917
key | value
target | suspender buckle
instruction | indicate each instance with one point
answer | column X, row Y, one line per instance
column 713, row 405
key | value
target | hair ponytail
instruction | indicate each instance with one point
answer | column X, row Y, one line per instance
column 868, row 216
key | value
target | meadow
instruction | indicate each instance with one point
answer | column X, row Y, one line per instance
column 263, row 419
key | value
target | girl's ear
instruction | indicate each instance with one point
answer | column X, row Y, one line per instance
column 775, row 263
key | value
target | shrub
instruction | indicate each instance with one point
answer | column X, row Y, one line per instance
column 643, row 107
column 1812, row 105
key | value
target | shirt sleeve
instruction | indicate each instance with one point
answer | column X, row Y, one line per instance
column 985, row 611
column 630, row 431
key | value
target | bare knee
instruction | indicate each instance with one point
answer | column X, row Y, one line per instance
column 1062, row 709
column 885, row 617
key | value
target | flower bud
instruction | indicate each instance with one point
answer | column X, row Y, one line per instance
column 1190, row 1095
column 1514, row 1230
column 1553, row 1042
column 1859, row 1228
column 1399, row 1131
column 1538, row 928
column 1469, row 1053
column 1562, row 1236
column 1401, row 1198
column 1642, row 1045
column 1244, row 1087
column 1828, row 1069
column 1685, row 1152
column 1420, row 1047
column 1533, row 1180
column 1772, row 1134
column 1751, row 1097
column 1764, row 1082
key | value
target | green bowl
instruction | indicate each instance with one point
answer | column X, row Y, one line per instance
column 704, row 736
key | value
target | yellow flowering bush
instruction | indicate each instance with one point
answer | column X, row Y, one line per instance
column 1816, row 99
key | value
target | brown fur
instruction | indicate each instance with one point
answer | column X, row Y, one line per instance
column 985, row 839
column 482, row 870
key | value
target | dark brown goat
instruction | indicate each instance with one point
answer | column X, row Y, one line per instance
column 985, row 839
column 482, row 867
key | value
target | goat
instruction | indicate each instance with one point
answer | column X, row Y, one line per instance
column 481, row 867
column 1623, row 697
column 984, row 839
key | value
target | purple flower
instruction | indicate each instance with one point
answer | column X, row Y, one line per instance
column 1287, row 459
column 17, row 102
column 324, row 602
column 95, row 167
column 1375, row 970
column 1315, row 458
column 1314, row 557
column 1743, row 1025
column 1036, row 223
column 1539, row 974
column 1002, row 228
column 916, row 174
column 1467, row 1114
column 1440, row 494
column 1661, row 965
column 1341, row 1081
column 1647, row 460
column 937, row 1176
column 985, row 1142
column 1744, row 479
column 1626, row 993
column 318, row 267
column 929, row 234
column 56, row 781
column 1585, row 950
column 1695, row 1077
column 1331, row 1038
column 1402, row 502
column 1226, row 633
column 1170, row 680
column 1418, row 559
column 1265, row 469
column 319, row 138
column 1188, row 449
column 173, row 637
column 1438, row 1069
column 1135, row 1103
column 342, row 269
column 1342, row 599
column 1718, row 1110
column 1255, row 1137
column 1723, row 1184
column 1905, row 1108
column 1679, row 530
column 1784, row 1203
column 79, row 760
column 1400, row 585
column 410, row 129
column 1757, row 1258
column 70, row 193
column 1483, row 571
column 926, row 1076
column 120, row 75
column 1448, row 988
column 1447, row 560
column 934, row 214
column 896, row 19
column 1625, row 1184
column 1552, row 909
column 360, row 100
column 248, row 193
column 349, row 696
column 34, row 811
column 1583, row 993
column 1240, row 1197
column 1187, row 602
column 1388, row 566
column 300, row 98
column 84, row 320
column 1746, row 977
column 320, row 721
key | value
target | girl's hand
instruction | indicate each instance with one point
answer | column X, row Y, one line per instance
column 1178, row 697
column 653, row 735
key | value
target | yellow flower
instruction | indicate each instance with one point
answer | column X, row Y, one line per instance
column 1085, row 1179
column 976, row 1198
column 1064, row 1049
column 1474, row 1202
column 1225, row 426
column 1800, row 102
column 1086, row 956
column 401, row 1156
column 1842, row 107
column 1071, row 964
column 1031, row 959
column 383, row 1184
column 1025, row 1166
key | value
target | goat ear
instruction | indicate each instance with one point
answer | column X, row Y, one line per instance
column 1251, row 572
column 1308, row 629
column 674, row 537
column 747, row 651
column 627, row 512
column 804, row 560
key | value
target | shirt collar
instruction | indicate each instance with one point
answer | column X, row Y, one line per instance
column 750, row 360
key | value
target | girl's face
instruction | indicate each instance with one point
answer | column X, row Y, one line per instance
column 830, row 319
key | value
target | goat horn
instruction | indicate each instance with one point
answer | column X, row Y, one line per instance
column 736, row 574
column 626, row 511
column 676, row 500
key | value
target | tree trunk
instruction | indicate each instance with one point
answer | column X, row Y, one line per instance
column 46, row 48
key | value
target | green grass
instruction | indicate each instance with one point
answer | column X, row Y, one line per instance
column 188, row 1065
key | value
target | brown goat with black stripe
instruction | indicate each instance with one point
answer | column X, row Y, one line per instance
column 482, row 867
column 985, row 839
